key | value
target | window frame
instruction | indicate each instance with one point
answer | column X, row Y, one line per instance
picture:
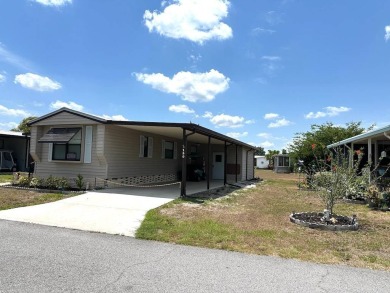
column 146, row 147
column 65, row 159
column 164, row 149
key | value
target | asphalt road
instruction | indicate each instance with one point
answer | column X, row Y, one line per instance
column 40, row 259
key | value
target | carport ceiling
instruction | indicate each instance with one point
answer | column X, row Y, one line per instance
column 174, row 132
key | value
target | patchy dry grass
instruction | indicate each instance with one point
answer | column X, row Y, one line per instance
column 14, row 198
column 256, row 221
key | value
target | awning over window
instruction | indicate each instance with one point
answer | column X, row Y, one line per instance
column 59, row 135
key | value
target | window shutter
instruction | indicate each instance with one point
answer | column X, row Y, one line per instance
column 88, row 145
column 141, row 145
column 150, row 147
column 163, row 149
column 175, row 150
column 50, row 152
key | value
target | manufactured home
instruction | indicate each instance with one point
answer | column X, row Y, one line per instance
column 375, row 146
column 261, row 162
column 66, row 143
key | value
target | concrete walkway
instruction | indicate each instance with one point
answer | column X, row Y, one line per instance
column 116, row 212
column 113, row 211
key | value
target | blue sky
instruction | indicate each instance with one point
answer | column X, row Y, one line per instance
column 259, row 71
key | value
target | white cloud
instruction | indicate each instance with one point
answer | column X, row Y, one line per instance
column 273, row 17
column 13, row 59
column 8, row 125
column 223, row 120
column 252, row 121
column 13, row 112
column 36, row 82
column 237, row 135
column 329, row 112
column 2, row 78
column 114, row 117
column 259, row 30
column 194, row 58
column 194, row 20
column 270, row 66
column 181, row 109
column 266, row 144
column 208, row 114
column 71, row 105
column 192, row 87
column 54, row 2
column 271, row 58
column 387, row 33
column 279, row 123
column 270, row 116
column 264, row 135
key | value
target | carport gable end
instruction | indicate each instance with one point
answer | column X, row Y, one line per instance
column 65, row 143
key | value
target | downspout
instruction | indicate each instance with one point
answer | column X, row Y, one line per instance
column 387, row 135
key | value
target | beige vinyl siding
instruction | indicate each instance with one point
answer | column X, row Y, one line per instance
column 89, row 171
column 122, row 154
column 65, row 118
column 35, row 147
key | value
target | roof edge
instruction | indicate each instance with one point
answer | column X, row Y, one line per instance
column 188, row 126
column 71, row 111
column 360, row 136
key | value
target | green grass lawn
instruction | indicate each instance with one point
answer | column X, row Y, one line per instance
column 6, row 177
column 257, row 221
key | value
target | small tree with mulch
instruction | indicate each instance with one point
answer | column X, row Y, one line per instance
column 336, row 178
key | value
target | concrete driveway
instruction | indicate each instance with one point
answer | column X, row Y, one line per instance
column 114, row 211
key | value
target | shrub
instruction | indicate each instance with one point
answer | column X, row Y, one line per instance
column 24, row 181
column 35, row 182
column 79, row 181
column 335, row 178
column 62, row 183
column 50, row 182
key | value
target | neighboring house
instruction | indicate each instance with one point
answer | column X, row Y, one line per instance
column 281, row 163
column 375, row 146
column 261, row 162
column 19, row 145
column 66, row 143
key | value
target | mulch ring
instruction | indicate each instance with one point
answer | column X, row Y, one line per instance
column 315, row 221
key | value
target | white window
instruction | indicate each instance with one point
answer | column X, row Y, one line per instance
column 64, row 144
column 70, row 151
column 283, row 161
column 169, row 150
column 146, row 146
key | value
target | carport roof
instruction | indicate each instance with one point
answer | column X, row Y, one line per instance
column 171, row 129
column 380, row 133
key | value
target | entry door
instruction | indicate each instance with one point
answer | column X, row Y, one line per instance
column 218, row 165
